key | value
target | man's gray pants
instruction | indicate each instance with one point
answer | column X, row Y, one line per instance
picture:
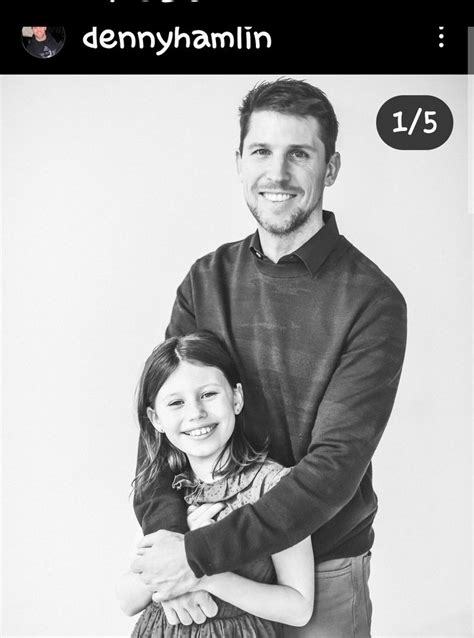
column 342, row 607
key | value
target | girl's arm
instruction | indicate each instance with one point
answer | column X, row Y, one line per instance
column 290, row 601
column 132, row 594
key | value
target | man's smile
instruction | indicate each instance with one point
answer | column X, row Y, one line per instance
column 273, row 196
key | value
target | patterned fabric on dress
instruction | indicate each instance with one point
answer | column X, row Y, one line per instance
column 230, row 622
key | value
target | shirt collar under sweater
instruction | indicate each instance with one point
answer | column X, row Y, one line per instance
column 308, row 258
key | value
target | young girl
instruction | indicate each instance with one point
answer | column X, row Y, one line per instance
column 190, row 406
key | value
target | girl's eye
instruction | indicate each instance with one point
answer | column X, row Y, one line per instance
column 208, row 395
column 175, row 403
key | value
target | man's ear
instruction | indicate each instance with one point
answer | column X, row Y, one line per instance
column 155, row 421
column 332, row 169
column 238, row 162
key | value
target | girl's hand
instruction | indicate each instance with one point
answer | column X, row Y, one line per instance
column 202, row 515
column 195, row 607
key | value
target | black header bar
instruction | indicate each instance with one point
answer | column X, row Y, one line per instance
column 202, row 36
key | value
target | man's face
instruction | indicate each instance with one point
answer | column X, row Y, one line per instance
column 39, row 33
column 283, row 170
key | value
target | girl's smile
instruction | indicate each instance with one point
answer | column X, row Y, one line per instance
column 200, row 432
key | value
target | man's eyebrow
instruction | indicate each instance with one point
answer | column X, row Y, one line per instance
column 305, row 147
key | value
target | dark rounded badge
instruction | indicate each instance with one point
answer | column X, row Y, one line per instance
column 414, row 122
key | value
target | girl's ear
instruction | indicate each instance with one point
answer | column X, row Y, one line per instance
column 238, row 398
column 155, row 421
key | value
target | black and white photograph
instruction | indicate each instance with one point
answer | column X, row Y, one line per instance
column 237, row 355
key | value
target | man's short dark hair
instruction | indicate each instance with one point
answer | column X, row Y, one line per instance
column 291, row 97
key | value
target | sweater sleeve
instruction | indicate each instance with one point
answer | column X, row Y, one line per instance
column 160, row 506
column 349, row 423
column 183, row 320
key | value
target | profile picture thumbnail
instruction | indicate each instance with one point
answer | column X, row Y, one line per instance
column 43, row 42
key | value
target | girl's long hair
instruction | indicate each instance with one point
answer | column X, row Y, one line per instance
column 202, row 348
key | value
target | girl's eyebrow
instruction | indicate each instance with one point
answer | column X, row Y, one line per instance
column 171, row 394
column 257, row 145
column 200, row 389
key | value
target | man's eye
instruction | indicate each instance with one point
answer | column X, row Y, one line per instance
column 261, row 151
column 299, row 154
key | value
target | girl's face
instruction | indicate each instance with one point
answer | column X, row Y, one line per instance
column 196, row 409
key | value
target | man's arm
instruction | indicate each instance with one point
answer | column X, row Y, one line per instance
column 350, row 421
column 160, row 506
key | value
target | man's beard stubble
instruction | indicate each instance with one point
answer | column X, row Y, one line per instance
column 298, row 218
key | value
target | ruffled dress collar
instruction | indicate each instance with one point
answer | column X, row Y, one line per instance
column 197, row 492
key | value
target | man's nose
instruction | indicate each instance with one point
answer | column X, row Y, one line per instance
column 278, row 168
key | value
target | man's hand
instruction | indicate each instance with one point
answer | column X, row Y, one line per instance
column 195, row 607
column 202, row 515
column 163, row 566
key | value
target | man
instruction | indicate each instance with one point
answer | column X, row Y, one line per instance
column 319, row 334
column 42, row 44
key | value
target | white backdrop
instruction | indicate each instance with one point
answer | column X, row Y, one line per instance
column 112, row 186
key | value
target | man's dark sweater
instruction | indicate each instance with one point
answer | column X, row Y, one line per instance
column 319, row 339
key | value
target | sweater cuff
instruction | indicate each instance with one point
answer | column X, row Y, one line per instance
column 197, row 553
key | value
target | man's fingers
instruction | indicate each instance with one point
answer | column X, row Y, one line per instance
column 165, row 565
column 149, row 539
column 137, row 565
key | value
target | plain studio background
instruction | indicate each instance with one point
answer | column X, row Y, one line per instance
column 113, row 186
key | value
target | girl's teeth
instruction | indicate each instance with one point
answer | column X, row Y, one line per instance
column 201, row 431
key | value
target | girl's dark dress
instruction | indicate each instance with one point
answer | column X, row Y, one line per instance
column 230, row 621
